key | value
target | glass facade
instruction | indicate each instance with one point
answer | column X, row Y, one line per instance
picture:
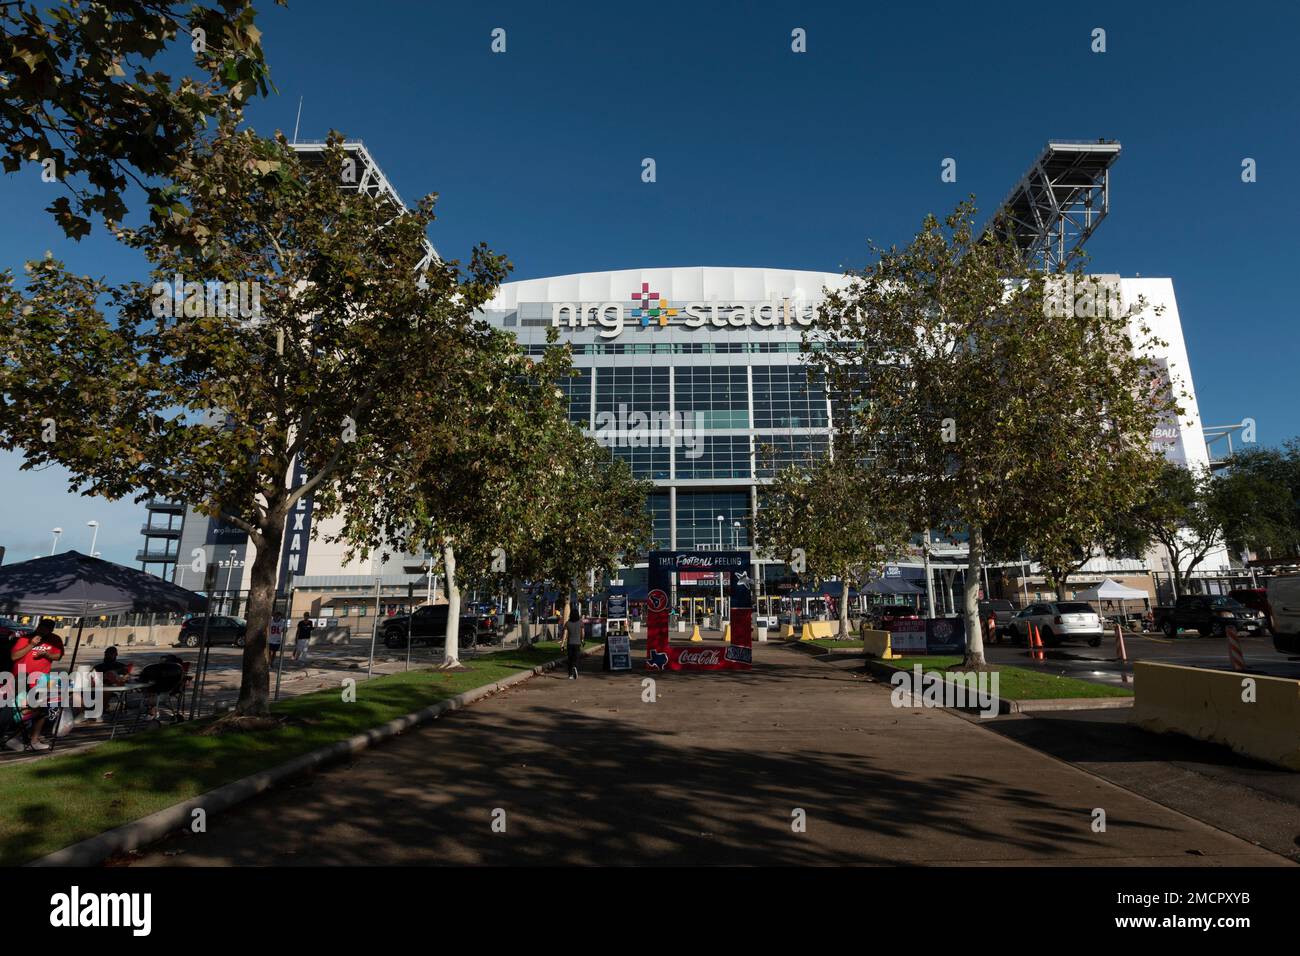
column 708, row 411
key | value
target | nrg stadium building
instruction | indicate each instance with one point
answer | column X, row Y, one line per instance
column 694, row 376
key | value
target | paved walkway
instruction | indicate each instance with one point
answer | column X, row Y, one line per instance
column 710, row 773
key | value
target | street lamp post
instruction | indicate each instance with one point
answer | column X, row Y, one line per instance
column 721, row 519
column 230, row 577
column 94, row 534
column 54, row 546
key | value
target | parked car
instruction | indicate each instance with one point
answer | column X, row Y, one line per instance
column 1208, row 614
column 1002, row 612
column 1284, row 613
column 428, row 625
column 888, row 613
column 1058, row 621
column 1254, row 598
column 221, row 630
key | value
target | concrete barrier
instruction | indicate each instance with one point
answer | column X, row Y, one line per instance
column 815, row 629
column 876, row 644
column 1207, row 705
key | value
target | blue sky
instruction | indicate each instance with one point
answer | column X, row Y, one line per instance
column 769, row 158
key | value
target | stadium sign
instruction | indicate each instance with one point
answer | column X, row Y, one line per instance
column 648, row 308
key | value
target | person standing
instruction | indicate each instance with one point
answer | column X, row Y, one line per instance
column 302, row 639
column 275, row 635
column 574, row 640
column 31, row 659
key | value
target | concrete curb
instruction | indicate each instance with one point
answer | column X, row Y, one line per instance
column 882, row 671
column 816, row 650
column 130, row 836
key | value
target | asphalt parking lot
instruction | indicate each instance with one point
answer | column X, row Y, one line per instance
column 1102, row 664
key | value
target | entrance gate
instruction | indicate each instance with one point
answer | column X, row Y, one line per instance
column 660, row 654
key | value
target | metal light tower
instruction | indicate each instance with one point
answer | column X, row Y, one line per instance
column 94, row 535
column 1060, row 201
column 54, row 545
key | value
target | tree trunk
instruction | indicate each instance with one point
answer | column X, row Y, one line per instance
column 844, row 606
column 971, row 601
column 451, row 650
column 565, row 611
column 255, row 683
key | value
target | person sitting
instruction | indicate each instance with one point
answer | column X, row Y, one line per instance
column 115, row 671
column 163, row 677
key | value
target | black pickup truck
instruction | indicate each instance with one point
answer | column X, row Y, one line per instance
column 1210, row 614
column 428, row 625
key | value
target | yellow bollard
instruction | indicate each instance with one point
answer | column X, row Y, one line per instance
column 726, row 632
column 695, row 635
column 807, row 633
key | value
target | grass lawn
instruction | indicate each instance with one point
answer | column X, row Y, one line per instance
column 53, row 802
column 831, row 642
column 1023, row 683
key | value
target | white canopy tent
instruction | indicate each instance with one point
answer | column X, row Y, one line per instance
column 1112, row 590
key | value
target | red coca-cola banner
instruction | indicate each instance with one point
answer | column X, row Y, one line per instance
column 661, row 655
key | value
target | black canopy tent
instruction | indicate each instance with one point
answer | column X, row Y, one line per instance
column 72, row 584
column 891, row 586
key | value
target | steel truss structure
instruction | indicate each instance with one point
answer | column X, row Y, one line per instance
column 1060, row 201
column 369, row 180
column 1218, row 443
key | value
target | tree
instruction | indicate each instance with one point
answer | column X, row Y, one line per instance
column 1193, row 513
column 830, row 512
column 499, row 468
column 1087, row 529
column 282, row 343
column 461, row 487
column 78, row 95
column 604, row 521
column 983, row 402
column 1265, row 482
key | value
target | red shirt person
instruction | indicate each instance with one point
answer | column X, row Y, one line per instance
column 33, row 656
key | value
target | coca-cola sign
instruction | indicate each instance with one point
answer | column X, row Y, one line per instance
column 702, row 658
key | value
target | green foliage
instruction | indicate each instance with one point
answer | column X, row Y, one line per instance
column 499, row 467
column 77, row 91
column 979, row 408
column 196, row 404
column 1261, row 499
column 1194, row 513
column 829, row 510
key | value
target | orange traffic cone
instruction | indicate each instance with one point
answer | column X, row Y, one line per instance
column 1036, row 648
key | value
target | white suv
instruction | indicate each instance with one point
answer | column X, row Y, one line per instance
column 1059, row 621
